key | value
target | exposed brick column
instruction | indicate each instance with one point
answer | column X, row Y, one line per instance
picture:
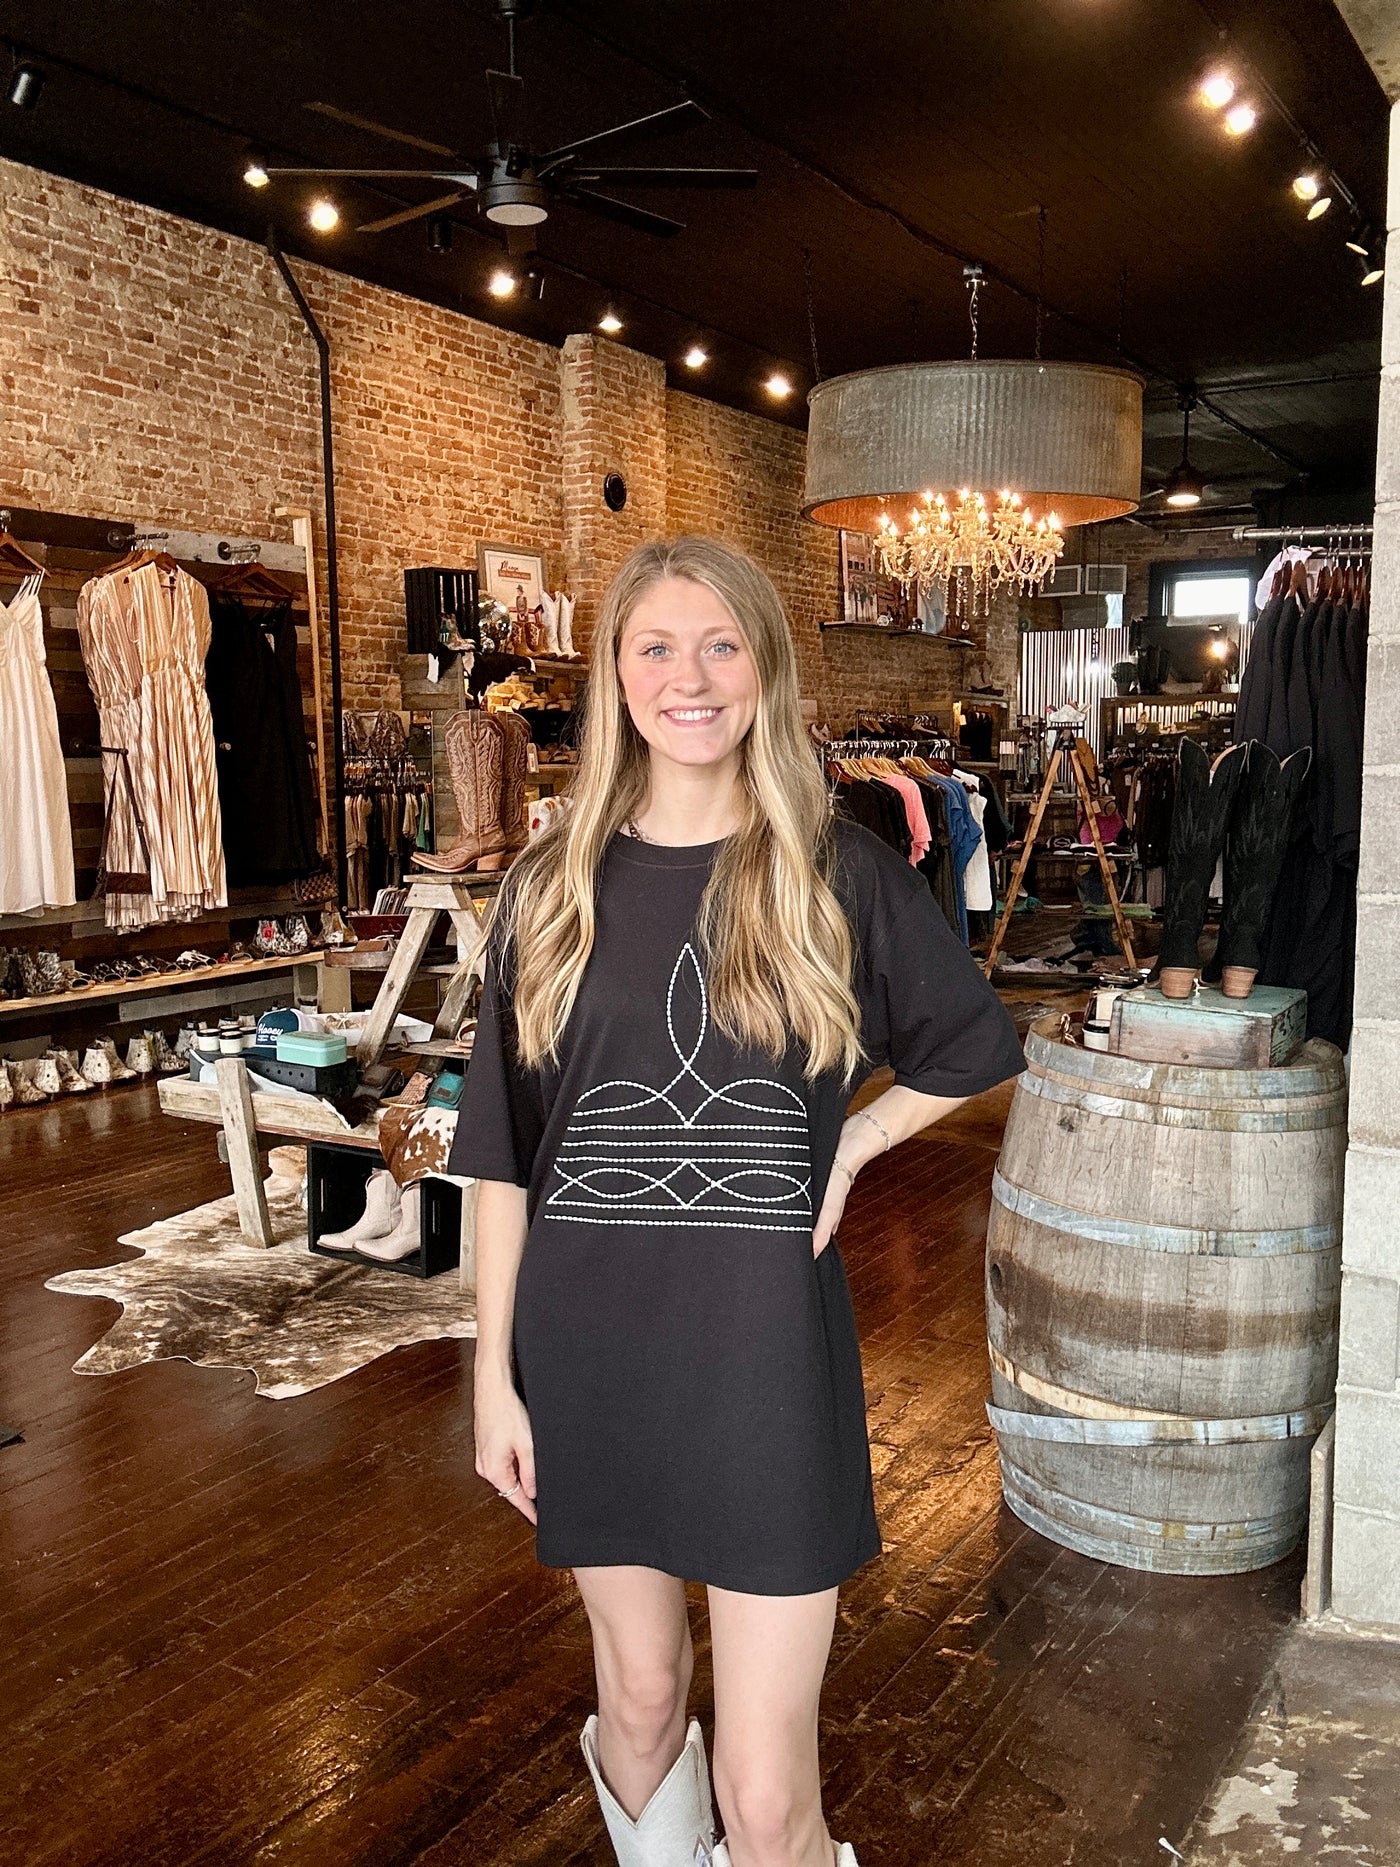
column 613, row 403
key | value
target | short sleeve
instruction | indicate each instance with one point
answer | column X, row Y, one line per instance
column 928, row 1012
column 501, row 1118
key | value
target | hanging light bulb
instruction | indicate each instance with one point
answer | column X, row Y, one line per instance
column 778, row 386
column 1240, row 119
column 695, row 358
column 255, row 170
column 501, row 283
column 1217, row 90
column 1306, row 186
column 610, row 324
column 324, row 216
column 1183, row 486
column 1319, row 207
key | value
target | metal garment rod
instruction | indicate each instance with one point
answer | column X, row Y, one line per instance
column 1297, row 534
column 335, row 831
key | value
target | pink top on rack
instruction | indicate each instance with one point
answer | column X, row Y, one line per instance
column 914, row 811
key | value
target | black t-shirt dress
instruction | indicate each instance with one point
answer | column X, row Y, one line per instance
column 691, row 1373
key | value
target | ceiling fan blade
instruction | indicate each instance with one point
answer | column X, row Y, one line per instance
column 401, row 219
column 623, row 212
column 460, row 178
column 507, row 94
column 380, row 129
column 673, row 117
column 665, row 178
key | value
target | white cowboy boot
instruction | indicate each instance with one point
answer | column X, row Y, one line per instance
column 845, row 1855
column 550, row 607
column 566, row 627
column 406, row 1236
column 677, row 1827
column 380, row 1216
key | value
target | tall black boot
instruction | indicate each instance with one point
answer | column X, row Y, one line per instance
column 1205, row 794
column 1259, row 834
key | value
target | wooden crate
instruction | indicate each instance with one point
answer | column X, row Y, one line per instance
column 1209, row 1029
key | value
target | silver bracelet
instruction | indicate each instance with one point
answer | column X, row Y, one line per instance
column 845, row 1169
column 880, row 1128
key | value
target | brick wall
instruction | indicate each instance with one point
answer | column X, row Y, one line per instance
column 155, row 369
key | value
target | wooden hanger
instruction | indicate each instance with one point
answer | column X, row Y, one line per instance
column 1299, row 580
column 13, row 556
column 252, row 580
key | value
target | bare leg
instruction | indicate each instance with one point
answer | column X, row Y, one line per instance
column 643, row 1659
column 770, row 1653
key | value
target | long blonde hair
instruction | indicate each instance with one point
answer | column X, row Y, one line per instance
column 777, row 946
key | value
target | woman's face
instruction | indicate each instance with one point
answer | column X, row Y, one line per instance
column 687, row 675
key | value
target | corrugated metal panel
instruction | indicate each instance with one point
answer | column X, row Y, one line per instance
column 1070, row 668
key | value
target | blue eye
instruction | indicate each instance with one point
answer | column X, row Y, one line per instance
column 731, row 648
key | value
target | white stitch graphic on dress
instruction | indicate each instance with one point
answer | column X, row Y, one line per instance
column 684, row 1168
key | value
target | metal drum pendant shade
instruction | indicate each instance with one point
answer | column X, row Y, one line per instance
column 1066, row 436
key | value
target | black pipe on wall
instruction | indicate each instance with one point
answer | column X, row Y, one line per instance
column 334, row 831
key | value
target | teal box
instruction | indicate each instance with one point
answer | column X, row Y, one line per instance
column 310, row 1047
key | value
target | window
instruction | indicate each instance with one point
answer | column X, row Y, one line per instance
column 1203, row 592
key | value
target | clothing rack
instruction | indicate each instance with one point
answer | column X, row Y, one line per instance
column 1300, row 534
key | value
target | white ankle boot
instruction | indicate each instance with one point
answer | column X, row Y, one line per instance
column 677, row 1827
column 380, row 1216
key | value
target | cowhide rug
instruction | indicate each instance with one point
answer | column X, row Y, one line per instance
column 297, row 1321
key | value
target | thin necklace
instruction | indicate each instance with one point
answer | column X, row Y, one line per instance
column 632, row 830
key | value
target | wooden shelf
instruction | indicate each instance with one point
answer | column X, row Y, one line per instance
column 158, row 982
column 896, row 635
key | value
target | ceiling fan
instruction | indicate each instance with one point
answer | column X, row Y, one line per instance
column 516, row 186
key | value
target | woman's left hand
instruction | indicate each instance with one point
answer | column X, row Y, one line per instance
column 838, row 1187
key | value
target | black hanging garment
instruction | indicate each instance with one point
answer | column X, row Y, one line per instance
column 266, row 795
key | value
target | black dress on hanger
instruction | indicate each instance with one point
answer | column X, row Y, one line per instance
column 265, row 790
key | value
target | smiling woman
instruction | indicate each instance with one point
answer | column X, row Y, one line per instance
column 688, row 975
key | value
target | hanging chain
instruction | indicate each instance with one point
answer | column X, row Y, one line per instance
column 972, row 277
column 1039, row 279
column 811, row 313
column 1122, row 302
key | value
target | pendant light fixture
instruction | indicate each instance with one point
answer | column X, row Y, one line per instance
column 1183, row 486
column 968, row 471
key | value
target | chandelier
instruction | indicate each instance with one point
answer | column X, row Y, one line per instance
column 970, row 548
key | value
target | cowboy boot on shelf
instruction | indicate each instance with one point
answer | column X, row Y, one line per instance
column 515, row 732
column 1205, row 795
column 566, row 627
column 476, row 761
column 549, row 606
column 1259, row 835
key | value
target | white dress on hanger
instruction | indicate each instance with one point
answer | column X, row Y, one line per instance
column 36, row 833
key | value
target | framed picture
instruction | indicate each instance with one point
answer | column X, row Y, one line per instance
column 513, row 576
column 868, row 596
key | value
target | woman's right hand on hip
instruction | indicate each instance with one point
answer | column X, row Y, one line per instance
column 505, row 1447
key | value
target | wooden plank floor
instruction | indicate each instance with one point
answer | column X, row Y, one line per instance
column 244, row 1631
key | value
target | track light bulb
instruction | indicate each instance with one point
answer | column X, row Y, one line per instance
column 1306, row 186
column 1361, row 252
column 439, row 233
column 501, row 283
column 255, row 170
column 1319, row 207
column 778, row 386
column 696, row 358
column 1373, row 274
column 610, row 324
column 324, row 216
column 1240, row 119
column 1217, row 90
column 26, row 82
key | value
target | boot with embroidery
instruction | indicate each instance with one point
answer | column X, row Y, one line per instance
column 380, row 1216
column 476, row 760
column 1205, row 796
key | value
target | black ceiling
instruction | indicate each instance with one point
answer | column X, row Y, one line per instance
column 895, row 140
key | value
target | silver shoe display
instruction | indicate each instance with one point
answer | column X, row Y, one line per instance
column 677, row 1827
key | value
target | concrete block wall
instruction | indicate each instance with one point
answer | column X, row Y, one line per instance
column 1366, row 1498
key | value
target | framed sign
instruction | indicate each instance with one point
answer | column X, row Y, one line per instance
column 513, row 577
column 868, row 596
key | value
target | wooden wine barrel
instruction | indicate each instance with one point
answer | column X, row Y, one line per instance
column 1163, row 1280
